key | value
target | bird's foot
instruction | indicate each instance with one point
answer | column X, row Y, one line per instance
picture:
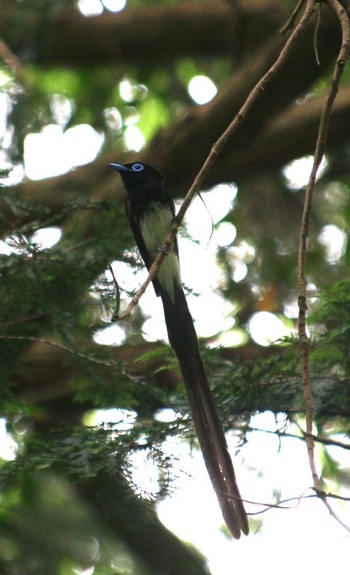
column 163, row 249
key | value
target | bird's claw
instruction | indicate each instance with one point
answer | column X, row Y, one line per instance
column 163, row 249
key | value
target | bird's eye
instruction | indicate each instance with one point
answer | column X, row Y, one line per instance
column 137, row 167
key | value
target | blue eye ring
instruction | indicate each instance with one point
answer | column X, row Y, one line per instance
column 137, row 167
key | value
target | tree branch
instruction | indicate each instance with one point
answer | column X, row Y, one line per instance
column 133, row 36
column 304, row 232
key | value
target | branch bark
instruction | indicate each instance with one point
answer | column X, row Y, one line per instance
column 134, row 35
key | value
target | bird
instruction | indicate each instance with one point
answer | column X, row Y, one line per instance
column 150, row 213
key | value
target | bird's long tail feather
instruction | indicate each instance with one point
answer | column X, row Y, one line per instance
column 183, row 339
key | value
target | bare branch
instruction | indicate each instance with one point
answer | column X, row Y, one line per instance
column 291, row 20
column 64, row 36
column 282, row 504
column 317, row 438
column 302, row 296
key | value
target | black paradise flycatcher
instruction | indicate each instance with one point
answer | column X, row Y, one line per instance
column 150, row 212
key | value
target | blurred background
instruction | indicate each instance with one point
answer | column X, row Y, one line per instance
column 99, row 467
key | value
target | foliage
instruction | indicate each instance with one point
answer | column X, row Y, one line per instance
column 54, row 374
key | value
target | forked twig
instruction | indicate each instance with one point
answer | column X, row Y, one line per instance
column 282, row 504
column 292, row 18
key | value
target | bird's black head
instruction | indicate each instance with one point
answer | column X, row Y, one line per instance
column 136, row 175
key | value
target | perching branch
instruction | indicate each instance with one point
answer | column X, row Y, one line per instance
column 215, row 152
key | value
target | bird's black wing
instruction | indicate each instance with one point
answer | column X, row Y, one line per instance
column 135, row 228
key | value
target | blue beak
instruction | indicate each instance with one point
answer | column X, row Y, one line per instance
column 120, row 167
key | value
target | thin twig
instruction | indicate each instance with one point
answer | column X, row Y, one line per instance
column 317, row 29
column 15, row 65
column 302, row 253
column 216, row 150
column 61, row 347
column 282, row 503
column 292, row 18
column 281, row 434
